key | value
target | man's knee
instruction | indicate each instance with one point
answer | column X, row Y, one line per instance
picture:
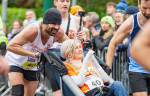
column 18, row 90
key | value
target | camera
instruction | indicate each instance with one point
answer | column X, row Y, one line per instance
column 81, row 13
column 87, row 45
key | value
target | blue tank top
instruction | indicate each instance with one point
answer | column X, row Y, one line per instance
column 133, row 65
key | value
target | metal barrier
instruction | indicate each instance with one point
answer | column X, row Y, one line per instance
column 120, row 66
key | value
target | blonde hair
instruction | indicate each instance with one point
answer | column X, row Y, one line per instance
column 68, row 46
column 108, row 33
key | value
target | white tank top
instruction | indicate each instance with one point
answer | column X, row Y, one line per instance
column 72, row 28
column 25, row 62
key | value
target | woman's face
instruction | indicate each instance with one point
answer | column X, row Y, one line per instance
column 118, row 18
column 78, row 52
column 16, row 26
column 105, row 26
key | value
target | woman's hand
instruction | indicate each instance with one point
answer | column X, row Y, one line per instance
column 95, row 32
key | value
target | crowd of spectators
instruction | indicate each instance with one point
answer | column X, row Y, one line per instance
column 97, row 31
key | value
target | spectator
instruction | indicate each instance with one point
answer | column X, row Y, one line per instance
column 118, row 18
column 121, row 6
column 17, row 25
column 30, row 17
column 102, row 39
column 110, row 7
column 130, row 11
column 73, row 26
column 127, row 13
column 92, row 21
column 75, row 9
column 79, row 72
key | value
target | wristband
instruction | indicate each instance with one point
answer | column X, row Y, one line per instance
column 111, row 68
column 36, row 54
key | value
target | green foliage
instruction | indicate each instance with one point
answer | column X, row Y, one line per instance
column 14, row 14
column 39, row 3
column 99, row 6
column 25, row 3
column 19, row 14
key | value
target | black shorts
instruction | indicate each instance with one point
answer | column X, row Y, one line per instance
column 139, row 82
column 28, row 74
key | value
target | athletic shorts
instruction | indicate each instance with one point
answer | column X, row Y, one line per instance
column 139, row 82
column 28, row 74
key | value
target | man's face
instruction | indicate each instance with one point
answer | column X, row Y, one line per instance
column 145, row 8
column 30, row 15
column 88, row 22
column 110, row 10
column 62, row 5
column 52, row 29
column 126, row 16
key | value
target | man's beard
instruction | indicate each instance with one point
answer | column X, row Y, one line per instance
column 50, row 32
column 147, row 17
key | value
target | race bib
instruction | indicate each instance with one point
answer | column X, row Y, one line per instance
column 93, row 82
column 30, row 63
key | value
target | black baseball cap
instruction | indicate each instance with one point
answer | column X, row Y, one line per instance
column 131, row 10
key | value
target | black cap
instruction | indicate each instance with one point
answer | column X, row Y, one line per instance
column 131, row 10
column 52, row 16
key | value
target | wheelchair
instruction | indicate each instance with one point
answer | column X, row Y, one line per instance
column 67, row 85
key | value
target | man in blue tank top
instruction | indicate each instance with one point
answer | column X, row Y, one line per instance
column 142, row 57
column 138, row 76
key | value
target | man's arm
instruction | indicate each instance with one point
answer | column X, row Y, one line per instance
column 27, row 35
column 140, row 49
column 121, row 33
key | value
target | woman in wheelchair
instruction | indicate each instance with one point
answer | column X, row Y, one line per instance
column 86, row 78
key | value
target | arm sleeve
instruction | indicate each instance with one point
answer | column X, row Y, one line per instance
column 77, row 78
